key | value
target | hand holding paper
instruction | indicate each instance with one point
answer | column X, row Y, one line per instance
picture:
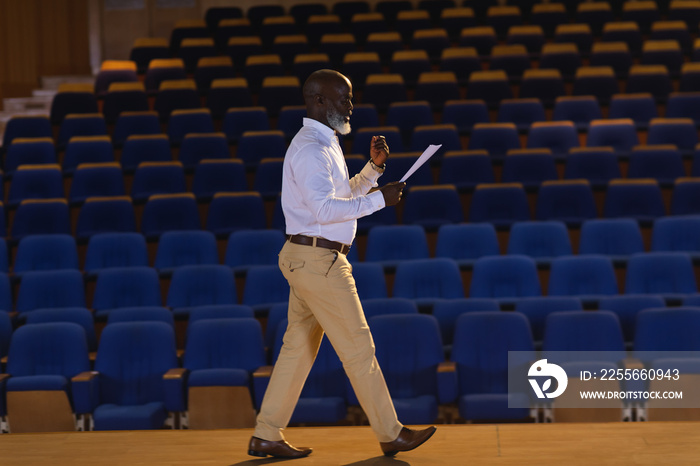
column 424, row 157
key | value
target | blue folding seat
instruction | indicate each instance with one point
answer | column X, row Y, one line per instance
column 363, row 138
column 462, row 61
column 663, row 163
column 640, row 199
column 685, row 197
column 186, row 29
column 246, row 248
column 45, row 252
column 678, row 131
column 409, row 64
column 268, row 177
column 621, row 134
column 482, row 38
column 642, row 13
column 370, row 280
column 105, row 215
column 388, row 306
column 273, row 27
column 178, row 248
column 50, row 289
column 72, row 98
column 408, row 115
column 264, row 286
column 41, row 216
column 164, row 212
column 496, row 138
column 404, row 18
column 357, row 66
column 530, row 167
column 225, row 94
column 464, row 114
column 522, row 112
column 175, row 95
column 80, row 124
column 315, row 22
column 219, row 311
column 43, row 361
column 641, row 108
column 391, row 244
column 626, row 307
column 490, row 86
column 141, row 314
column 413, row 381
column 145, row 49
column 466, row 169
column 194, row 49
column 500, row 204
column 598, row 81
column 239, row 120
column 164, row 69
column 673, row 30
column 564, row 57
column 543, row 241
column 142, row 395
column 221, row 356
column 538, row 308
column 119, row 287
column 546, row 85
column 238, row 40
column 454, row 19
column 667, row 53
column 617, row 238
column 438, row 88
column 217, row 175
column 87, row 149
column 587, row 276
column 531, row 36
column 157, row 178
column 290, row 120
column 505, row 278
column 210, row 68
column 597, row 165
column 259, row 67
column 513, row 59
column 229, row 212
column 279, row 91
column 384, row 89
column 616, row 55
column 5, row 293
column 568, row 201
column 677, row 233
column 669, row 274
column 444, row 134
column 432, row 206
column 579, row 34
column 558, row 136
column 35, row 182
column 432, row 40
column 683, row 105
column 483, row 389
column 133, row 124
column 400, row 164
column 466, row 242
column 183, row 122
column 253, row 146
column 364, row 116
column 666, row 329
column 362, row 24
column 77, row 315
column 26, row 126
column 581, row 110
column 428, row 280
column 124, row 97
column 384, row 44
column 595, row 14
column 581, row 331
column 4, row 260
column 198, row 285
column 447, row 311
column 196, row 147
column 258, row 13
column 306, row 63
column 111, row 250
column 624, row 31
column 654, row 79
column 688, row 12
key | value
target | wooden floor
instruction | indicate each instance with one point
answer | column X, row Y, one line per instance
column 674, row 443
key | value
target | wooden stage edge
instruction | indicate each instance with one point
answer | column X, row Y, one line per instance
column 639, row 443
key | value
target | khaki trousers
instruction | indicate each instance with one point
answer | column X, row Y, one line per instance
column 322, row 298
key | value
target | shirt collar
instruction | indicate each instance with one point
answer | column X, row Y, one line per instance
column 326, row 131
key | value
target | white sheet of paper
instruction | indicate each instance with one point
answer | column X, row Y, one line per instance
column 427, row 153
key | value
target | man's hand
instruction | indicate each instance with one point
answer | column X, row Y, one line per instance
column 392, row 192
column 378, row 150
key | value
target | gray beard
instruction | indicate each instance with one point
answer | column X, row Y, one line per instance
column 338, row 123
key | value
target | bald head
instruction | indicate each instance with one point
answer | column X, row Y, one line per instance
column 328, row 98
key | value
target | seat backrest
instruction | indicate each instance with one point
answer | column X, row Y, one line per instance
column 507, row 276
column 585, row 331
column 467, row 241
column 396, row 242
column 235, row 343
column 196, row 285
column 265, row 284
column 584, row 274
column 539, row 239
column 428, row 278
column 51, row 289
column 46, row 252
column 660, row 272
column 613, row 237
column 253, row 247
column 77, row 315
column 126, row 287
column 676, row 234
column 447, row 311
column 107, row 250
column 667, row 329
column 176, row 248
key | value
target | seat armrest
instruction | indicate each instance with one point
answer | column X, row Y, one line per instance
column 261, row 378
column 447, row 382
column 85, row 388
column 175, row 382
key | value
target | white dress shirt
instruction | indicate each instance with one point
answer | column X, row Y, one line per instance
column 318, row 197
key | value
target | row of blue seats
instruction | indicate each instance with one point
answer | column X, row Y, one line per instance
column 422, row 385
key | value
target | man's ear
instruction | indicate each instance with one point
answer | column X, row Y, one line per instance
column 319, row 99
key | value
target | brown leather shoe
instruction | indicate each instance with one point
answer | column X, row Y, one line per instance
column 280, row 449
column 407, row 440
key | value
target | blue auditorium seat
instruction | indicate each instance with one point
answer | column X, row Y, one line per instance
column 119, row 287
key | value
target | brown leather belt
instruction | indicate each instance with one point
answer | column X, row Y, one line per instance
column 318, row 242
